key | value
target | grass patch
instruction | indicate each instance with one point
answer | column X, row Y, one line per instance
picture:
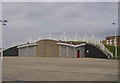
column 112, row 49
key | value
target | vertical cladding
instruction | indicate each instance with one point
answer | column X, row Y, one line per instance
column 75, row 52
column 71, row 52
column 40, row 49
column 34, row 50
column 47, row 48
column 52, row 49
column 59, row 51
column 23, row 51
column 28, row 50
column 63, row 51
column 82, row 51
column 31, row 51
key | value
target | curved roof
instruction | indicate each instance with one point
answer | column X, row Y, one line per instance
column 47, row 40
column 71, row 45
column 10, row 47
column 25, row 45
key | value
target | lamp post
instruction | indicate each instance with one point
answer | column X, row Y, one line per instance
column 3, row 23
column 115, row 40
column 76, row 36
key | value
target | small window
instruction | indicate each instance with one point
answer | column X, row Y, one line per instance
column 107, row 42
column 110, row 41
column 114, row 42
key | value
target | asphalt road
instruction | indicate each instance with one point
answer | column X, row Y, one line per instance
column 59, row 69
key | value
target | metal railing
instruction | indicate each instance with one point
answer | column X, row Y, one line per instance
column 106, row 50
column 101, row 47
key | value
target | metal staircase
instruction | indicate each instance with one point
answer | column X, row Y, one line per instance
column 101, row 47
column 106, row 51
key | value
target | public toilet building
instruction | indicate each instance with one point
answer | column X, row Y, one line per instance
column 71, row 51
column 52, row 48
column 57, row 49
column 27, row 49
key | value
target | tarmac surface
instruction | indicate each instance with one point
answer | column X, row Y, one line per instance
column 59, row 69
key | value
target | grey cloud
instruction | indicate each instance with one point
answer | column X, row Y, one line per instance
column 34, row 19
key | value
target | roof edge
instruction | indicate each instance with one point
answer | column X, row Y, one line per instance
column 71, row 45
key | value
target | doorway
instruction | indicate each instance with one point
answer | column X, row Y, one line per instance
column 78, row 53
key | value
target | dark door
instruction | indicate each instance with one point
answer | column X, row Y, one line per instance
column 78, row 54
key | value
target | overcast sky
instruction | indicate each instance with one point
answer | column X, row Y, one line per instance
column 35, row 19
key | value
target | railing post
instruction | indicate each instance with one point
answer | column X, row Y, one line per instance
column 112, row 55
column 103, row 47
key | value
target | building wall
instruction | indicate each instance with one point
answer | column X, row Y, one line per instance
column 93, row 52
column 47, row 48
column 40, row 49
column 118, row 41
column 110, row 41
column 71, row 52
column 23, row 51
column 82, row 51
column 27, row 51
column 31, row 51
column 13, row 51
column 63, row 51
column 52, row 49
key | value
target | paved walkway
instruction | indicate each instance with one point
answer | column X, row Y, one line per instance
column 59, row 69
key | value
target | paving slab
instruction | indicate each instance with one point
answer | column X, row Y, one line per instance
column 59, row 69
